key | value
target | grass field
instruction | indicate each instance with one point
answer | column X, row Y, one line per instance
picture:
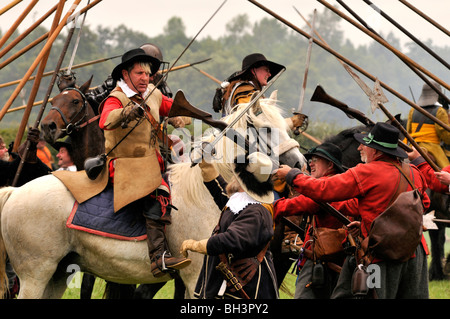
column 437, row 289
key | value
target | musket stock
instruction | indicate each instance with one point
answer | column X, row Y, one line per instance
column 320, row 95
column 182, row 107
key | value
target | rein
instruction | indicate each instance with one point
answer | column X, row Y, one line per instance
column 71, row 127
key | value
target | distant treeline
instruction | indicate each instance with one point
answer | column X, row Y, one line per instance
column 268, row 36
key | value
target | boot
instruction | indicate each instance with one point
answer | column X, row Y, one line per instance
column 161, row 259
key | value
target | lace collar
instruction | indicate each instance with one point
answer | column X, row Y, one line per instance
column 238, row 201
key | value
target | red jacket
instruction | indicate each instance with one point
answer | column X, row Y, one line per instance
column 373, row 184
column 301, row 204
column 433, row 183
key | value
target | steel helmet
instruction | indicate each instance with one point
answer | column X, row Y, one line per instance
column 152, row 50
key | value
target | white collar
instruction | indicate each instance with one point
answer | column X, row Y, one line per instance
column 129, row 92
column 238, row 201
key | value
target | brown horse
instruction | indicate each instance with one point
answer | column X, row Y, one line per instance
column 71, row 115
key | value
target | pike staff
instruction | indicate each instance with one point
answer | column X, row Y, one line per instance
column 181, row 54
column 409, row 34
column 408, row 64
column 423, row 15
column 385, row 44
column 305, row 75
column 353, row 65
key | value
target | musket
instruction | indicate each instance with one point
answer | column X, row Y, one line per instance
column 423, row 15
column 305, row 75
column 409, row 34
column 406, row 62
column 320, row 95
column 353, row 65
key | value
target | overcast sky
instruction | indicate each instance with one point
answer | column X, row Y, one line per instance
column 151, row 16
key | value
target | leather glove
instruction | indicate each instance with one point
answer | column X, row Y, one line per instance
column 177, row 121
column 198, row 246
column 131, row 113
column 33, row 139
column 209, row 172
column 296, row 121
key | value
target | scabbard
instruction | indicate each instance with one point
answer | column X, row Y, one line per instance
column 231, row 278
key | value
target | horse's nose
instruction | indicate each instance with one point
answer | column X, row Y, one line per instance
column 49, row 129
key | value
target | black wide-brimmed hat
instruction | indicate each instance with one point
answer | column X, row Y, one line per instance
column 132, row 56
column 329, row 152
column 256, row 60
column 67, row 143
column 383, row 137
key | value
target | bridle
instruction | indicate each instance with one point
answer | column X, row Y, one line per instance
column 72, row 127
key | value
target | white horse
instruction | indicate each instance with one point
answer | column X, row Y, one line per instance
column 41, row 248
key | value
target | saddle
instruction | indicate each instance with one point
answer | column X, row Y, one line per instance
column 96, row 216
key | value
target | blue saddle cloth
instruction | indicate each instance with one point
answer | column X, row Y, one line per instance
column 97, row 216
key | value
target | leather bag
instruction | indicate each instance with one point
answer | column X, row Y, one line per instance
column 328, row 243
column 395, row 234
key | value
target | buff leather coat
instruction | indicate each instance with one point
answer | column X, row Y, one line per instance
column 136, row 167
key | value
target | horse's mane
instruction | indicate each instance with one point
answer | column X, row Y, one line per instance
column 182, row 173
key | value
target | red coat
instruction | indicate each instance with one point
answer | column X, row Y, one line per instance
column 301, row 204
column 433, row 183
column 373, row 184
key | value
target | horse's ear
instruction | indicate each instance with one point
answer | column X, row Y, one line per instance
column 85, row 87
column 273, row 97
column 256, row 107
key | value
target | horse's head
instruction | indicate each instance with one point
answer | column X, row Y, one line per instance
column 267, row 132
column 69, row 109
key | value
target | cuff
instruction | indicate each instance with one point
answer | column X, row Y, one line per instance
column 417, row 161
column 292, row 175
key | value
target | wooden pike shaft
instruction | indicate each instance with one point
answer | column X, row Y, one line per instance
column 409, row 138
column 353, row 65
column 33, row 66
column 62, row 69
column 385, row 44
column 18, row 21
column 423, row 15
column 26, row 32
column 9, row 6
column 36, row 85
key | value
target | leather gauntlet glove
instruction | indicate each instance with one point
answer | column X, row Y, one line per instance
column 33, row 139
column 198, row 246
column 131, row 113
column 209, row 172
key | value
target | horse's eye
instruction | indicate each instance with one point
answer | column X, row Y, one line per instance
column 76, row 101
